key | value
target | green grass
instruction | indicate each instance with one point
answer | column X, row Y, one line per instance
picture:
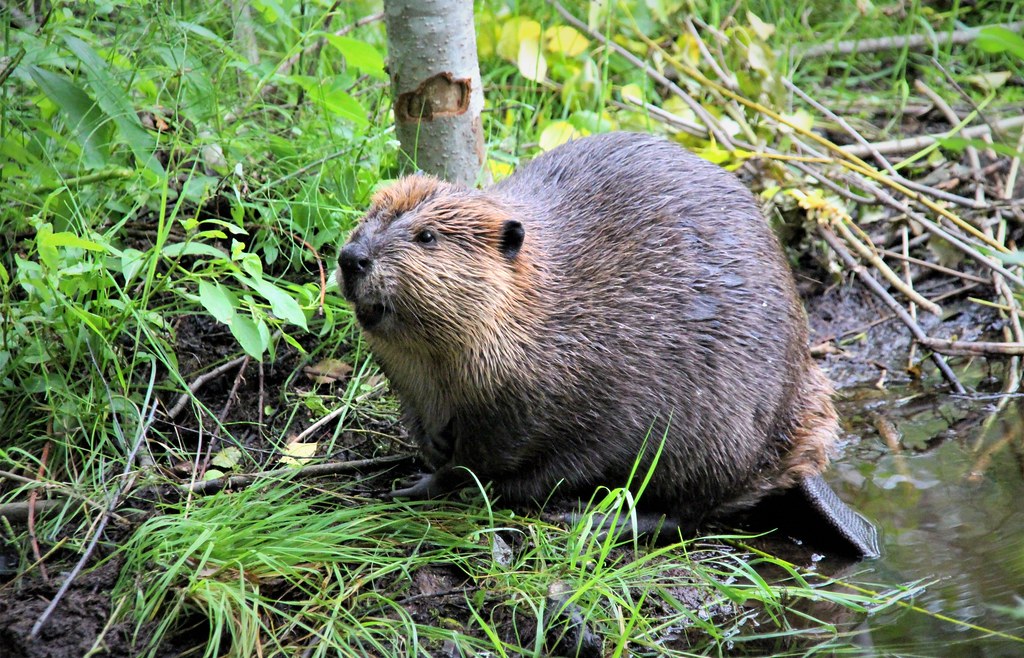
column 152, row 178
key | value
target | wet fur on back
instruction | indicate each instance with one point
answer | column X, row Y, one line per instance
column 613, row 292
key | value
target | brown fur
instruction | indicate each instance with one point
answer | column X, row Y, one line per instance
column 647, row 300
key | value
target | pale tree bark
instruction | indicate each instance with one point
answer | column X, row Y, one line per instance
column 435, row 83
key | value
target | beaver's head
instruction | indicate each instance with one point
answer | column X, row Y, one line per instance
column 435, row 266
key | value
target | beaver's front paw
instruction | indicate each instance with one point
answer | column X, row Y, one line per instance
column 422, row 487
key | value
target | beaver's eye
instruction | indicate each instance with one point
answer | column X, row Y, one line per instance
column 426, row 236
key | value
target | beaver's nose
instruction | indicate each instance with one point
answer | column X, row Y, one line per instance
column 355, row 260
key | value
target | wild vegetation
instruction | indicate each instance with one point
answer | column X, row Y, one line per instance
column 191, row 432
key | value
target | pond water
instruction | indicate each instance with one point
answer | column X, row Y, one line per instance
column 943, row 478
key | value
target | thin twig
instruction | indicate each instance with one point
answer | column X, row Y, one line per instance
column 911, row 144
column 869, row 254
column 898, row 42
column 934, row 266
column 199, row 381
column 21, row 511
column 971, row 348
column 788, row 84
column 205, row 487
column 234, row 389
column 833, row 241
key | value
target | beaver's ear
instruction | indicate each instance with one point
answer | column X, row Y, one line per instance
column 512, row 234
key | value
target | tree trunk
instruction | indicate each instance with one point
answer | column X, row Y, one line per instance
column 435, row 83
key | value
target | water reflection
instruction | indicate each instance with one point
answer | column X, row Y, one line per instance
column 944, row 480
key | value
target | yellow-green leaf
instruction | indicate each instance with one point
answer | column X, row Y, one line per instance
column 557, row 133
column 989, row 81
column 513, row 33
column 632, row 93
column 566, row 40
column 66, row 239
column 761, row 29
column 298, row 454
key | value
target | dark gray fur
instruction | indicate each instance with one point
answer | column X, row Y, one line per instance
column 657, row 305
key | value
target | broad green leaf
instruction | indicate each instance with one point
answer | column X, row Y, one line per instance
column 997, row 39
column 65, row 239
column 228, row 458
column 248, row 336
column 531, row 62
column 132, row 261
column 81, row 113
column 959, row 144
column 192, row 249
column 115, row 103
column 282, row 304
column 218, row 300
column 340, row 103
column 201, row 31
column 359, row 54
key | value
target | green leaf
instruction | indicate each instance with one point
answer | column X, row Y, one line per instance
column 342, row 104
column 191, row 249
column 997, row 39
column 115, row 103
column 248, row 336
column 359, row 54
column 282, row 304
column 66, row 239
column 81, row 114
column 228, row 458
column 132, row 262
column 201, row 31
column 958, row 144
column 218, row 300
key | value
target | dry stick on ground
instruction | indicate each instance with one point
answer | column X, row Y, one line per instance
column 234, row 389
column 934, row 266
column 911, row 41
column 63, row 490
column 198, row 383
column 879, row 158
column 873, row 152
column 971, row 348
column 932, row 227
column 205, row 487
column 911, row 144
column 870, row 255
column 846, row 159
column 873, row 284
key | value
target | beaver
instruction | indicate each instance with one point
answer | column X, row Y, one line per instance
column 615, row 304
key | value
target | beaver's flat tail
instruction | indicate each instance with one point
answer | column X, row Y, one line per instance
column 856, row 532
